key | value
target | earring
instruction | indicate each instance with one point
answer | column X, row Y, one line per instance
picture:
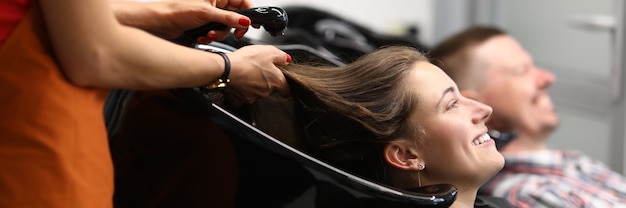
column 419, row 179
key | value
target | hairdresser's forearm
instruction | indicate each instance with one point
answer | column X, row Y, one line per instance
column 148, row 16
column 99, row 52
column 147, row 62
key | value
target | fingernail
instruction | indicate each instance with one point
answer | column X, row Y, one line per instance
column 212, row 36
column 244, row 21
column 288, row 58
column 201, row 40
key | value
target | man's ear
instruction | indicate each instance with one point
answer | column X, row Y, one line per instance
column 472, row 94
column 399, row 155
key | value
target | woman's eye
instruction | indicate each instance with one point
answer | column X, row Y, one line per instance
column 453, row 104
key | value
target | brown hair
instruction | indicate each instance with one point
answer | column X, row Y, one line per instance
column 350, row 113
column 452, row 54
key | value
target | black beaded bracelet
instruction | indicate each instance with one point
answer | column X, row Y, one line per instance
column 221, row 82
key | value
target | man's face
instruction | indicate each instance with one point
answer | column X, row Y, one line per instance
column 516, row 88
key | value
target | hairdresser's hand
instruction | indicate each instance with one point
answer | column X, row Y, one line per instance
column 169, row 19
column 231, row 5
column 254, row 74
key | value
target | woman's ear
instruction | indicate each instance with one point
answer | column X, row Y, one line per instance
column 399, row 155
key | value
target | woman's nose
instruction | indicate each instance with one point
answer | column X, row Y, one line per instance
column 482, row 112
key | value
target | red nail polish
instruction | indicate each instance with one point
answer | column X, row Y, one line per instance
column 288, row 58
column 201, row 40
column 212, row 36
column 244, row 21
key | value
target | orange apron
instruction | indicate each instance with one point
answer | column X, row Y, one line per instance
column 53, row 144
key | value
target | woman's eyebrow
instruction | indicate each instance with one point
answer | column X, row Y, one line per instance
column 448, row 90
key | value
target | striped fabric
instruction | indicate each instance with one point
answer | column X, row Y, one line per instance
column 556, row 178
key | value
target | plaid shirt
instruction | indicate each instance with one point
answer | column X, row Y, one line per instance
column 555, row 178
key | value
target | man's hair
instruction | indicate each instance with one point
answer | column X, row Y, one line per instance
column 453, row 55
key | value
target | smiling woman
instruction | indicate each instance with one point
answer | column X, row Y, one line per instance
column 394, row 118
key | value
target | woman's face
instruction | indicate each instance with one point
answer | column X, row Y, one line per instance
column 455, row 147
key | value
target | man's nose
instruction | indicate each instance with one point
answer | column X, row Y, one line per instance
column 544, row 78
